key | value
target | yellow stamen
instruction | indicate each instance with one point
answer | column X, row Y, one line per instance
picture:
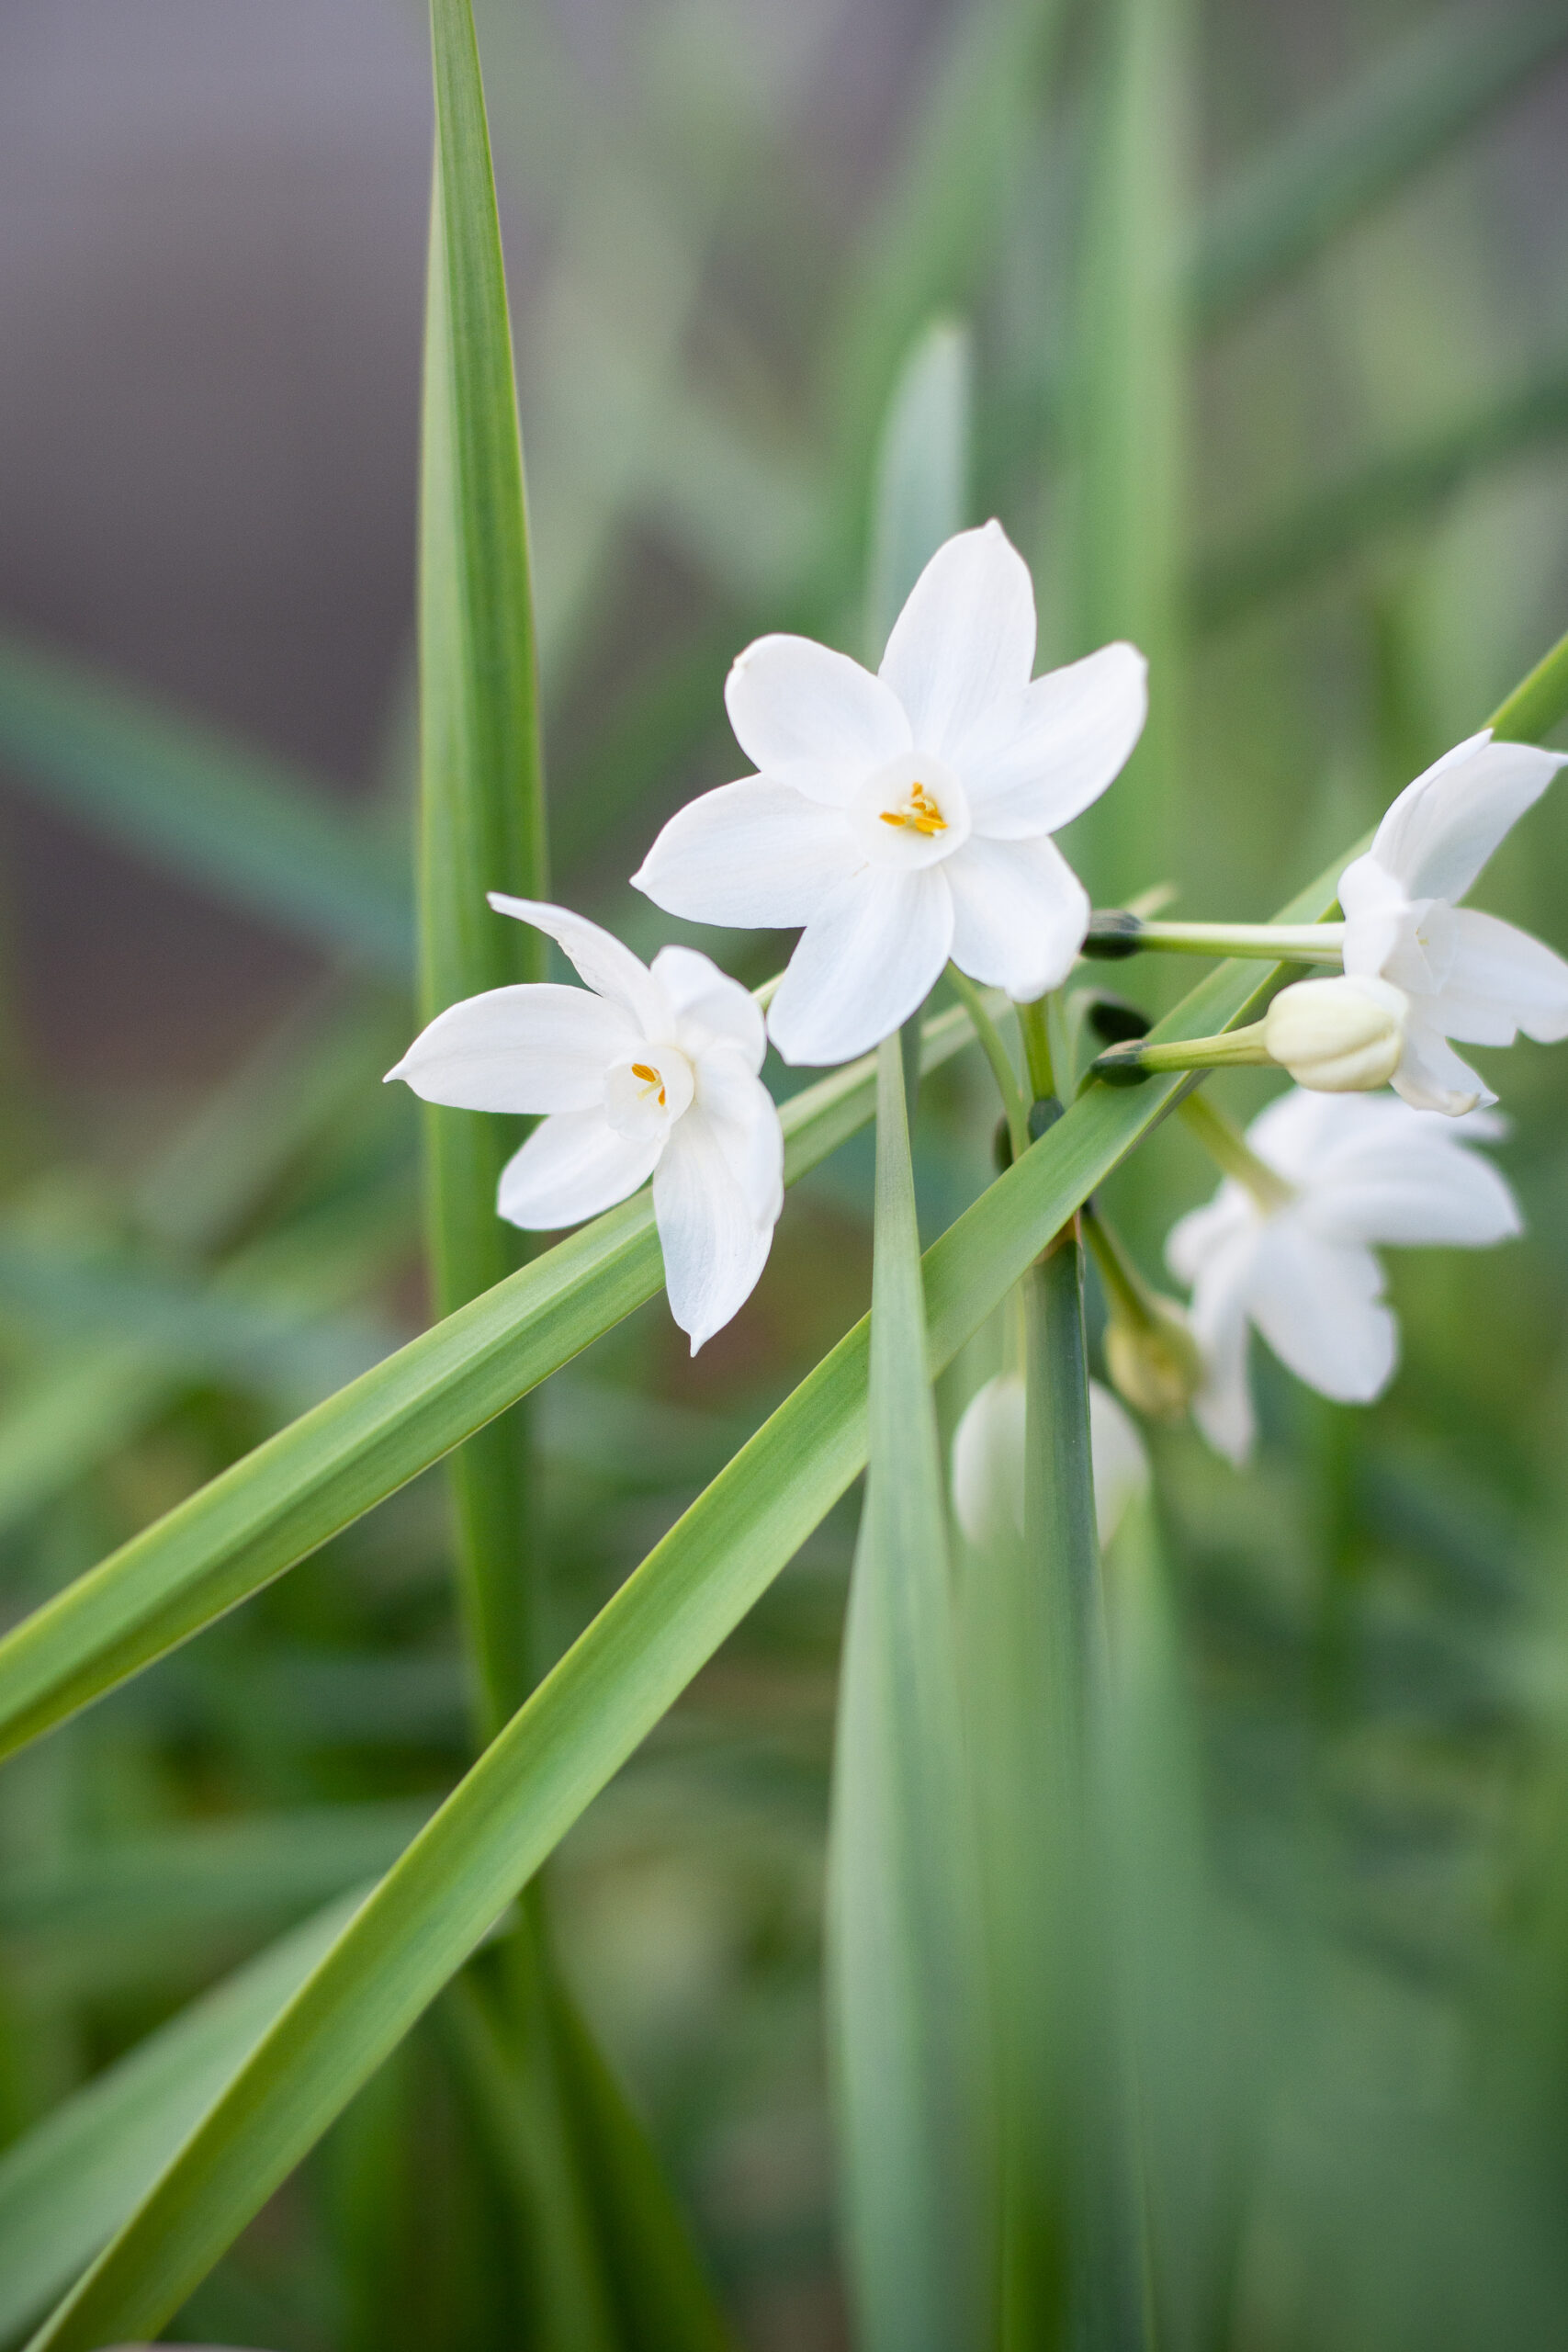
column 651, row 1079
column 919, row 813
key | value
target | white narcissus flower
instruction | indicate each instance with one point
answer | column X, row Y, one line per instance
column 906, row 818
column 989, row 1461
column 1353, row 1170
column 1466, row 975
column 648, row 1071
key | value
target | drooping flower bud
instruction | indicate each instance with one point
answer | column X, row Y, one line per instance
column 1339, row 1037
column 988, row 1462
column 1155, row 1362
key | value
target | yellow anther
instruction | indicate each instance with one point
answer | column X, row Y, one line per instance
column 919, row 813
column 650, row 1080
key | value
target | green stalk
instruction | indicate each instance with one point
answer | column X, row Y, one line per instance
column 1230, row 1150
column 902, row 1953
column 1116, row 934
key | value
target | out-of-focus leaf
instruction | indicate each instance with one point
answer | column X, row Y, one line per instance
column 903, row 1919
column 932, row 235
column 217, row 813
column 591, row 1711
column 922, row 487
column 1128, row 418
column 76, row 1410
column 87, row 1919
column 67, row 2184
column 1364, row 146
column 1337, row 522
column 313, row 1478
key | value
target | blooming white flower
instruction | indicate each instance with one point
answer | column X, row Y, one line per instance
column 907, row 818
column 1352, row 1170
column 989, row 1461
column 1466, row 975
column 650, row 1072
column 1339, row 1037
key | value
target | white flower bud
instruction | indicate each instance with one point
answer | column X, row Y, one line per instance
column 1339, row 1036
column 988, row 1462
column 1156, row 1366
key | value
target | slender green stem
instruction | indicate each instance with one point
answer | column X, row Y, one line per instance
column 1131, row 1300
column 1119, row 933
column 1014, row 1108
column 1232, row 1049
column 1229, row 1149
column 1034, row 1030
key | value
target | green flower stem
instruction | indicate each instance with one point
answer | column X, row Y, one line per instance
column 1014, row 1108
column 1229, row 1149
column 1232, row 1049
column 1117, row 933
column 1131, row 1300
column 1036, row 1032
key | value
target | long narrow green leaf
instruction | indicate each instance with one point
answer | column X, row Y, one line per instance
column 903, row 1954
column 1129, row 416
column 1337, row 521
column 590, row 1713
column 1364, row 146
column 216, row 812
column 66, row 2186
column 482, row 825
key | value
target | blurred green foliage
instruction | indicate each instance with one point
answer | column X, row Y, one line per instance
column 1286, row 383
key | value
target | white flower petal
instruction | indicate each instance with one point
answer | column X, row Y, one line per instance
column 745, row 1120
column 1443, row 828
column 526, row 1048
column 570, row 1168
column 988, row 1461
column 714, row 1248
column 755, row 854
column 812, row 718
column 866, row 963
column 709, row 1005
column 1019, row 914
column 964, row 640
column 1319, row 1304
column 609, row 968
column 1422, row 1195
column 1223, row 1405
column 1499, row 980
column 1431, row 1076
column 1120, row 1459
column 1204, row 1234
column 1035, row 761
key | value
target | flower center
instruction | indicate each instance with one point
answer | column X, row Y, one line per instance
column 643, row 1098
column 919, row 813
column 912, row 813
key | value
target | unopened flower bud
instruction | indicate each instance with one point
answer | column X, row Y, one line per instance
column 1339, row 1037
column 988, row 1450
column 1155, row 1365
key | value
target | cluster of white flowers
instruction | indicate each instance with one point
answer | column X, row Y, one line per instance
column 905, row 820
